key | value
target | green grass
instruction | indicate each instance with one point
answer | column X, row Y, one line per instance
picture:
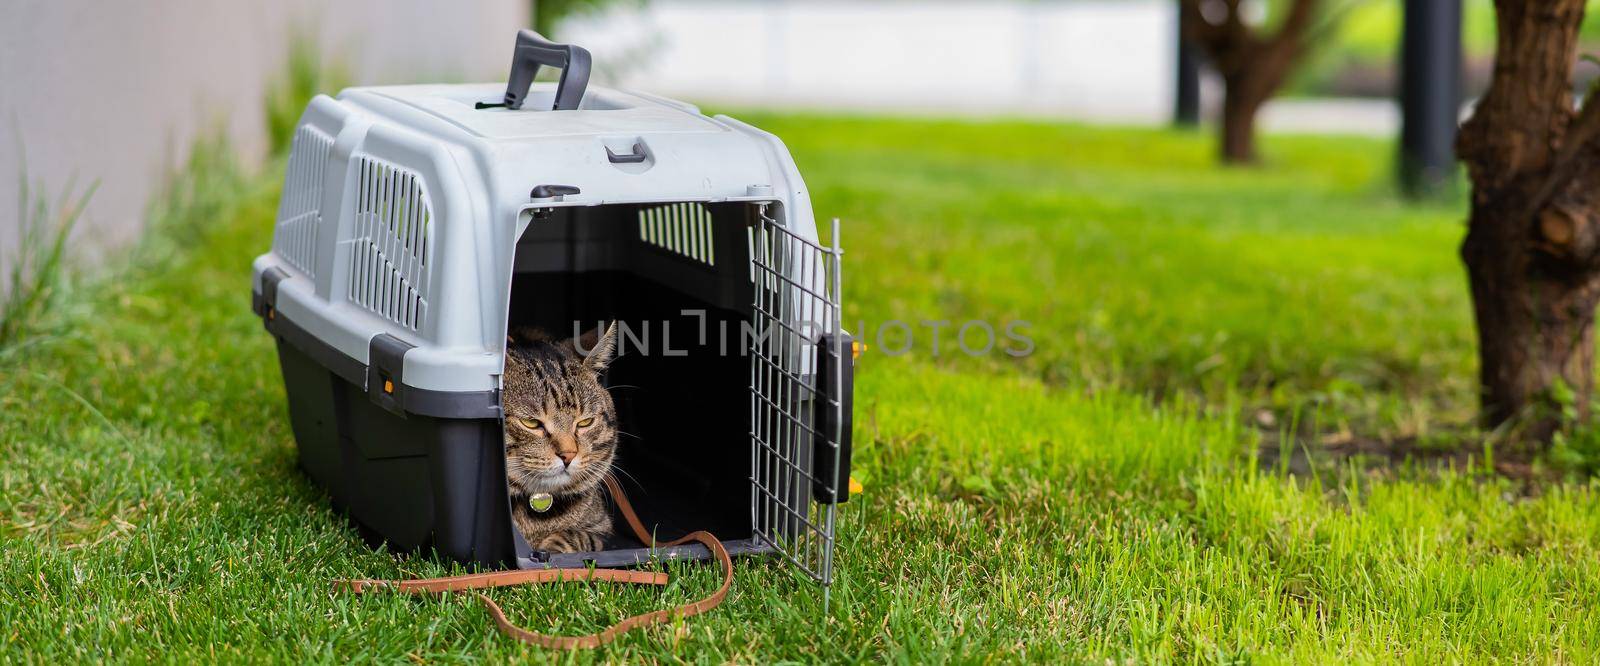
column 1305, row 286
column 35, row 277
column 1100, row 499
column 306, row 73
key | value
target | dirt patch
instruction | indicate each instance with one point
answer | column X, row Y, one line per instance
column 1314, row 453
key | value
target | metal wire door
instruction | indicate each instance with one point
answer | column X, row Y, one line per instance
column 796, row 319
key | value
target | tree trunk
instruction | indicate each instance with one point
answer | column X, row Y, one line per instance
column 1253, row 67
column 1239, row 109
column 1532, row 248
column 1535, row 326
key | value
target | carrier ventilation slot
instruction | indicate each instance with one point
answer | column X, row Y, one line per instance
column 389, row 266
column 299, row 209
column 681, row 228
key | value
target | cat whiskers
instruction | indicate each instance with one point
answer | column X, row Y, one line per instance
column 618, row 470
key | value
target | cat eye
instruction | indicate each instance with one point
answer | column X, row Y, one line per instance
column 586, row 422
column 531, row 424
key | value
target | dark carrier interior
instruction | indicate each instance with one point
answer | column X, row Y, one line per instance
column 676, row 279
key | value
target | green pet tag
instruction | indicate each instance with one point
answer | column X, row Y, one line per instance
column 540, row 502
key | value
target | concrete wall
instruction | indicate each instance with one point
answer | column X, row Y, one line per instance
column 115, row 92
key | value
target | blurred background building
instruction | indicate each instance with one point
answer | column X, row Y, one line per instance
column 1109, row 60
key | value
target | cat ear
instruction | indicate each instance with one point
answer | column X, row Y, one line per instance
column 602, row 348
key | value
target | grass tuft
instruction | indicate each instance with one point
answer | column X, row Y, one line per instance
column 306, row 74
column 196, row 201
column 37, row 274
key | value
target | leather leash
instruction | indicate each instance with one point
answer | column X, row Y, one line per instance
column 536, row 576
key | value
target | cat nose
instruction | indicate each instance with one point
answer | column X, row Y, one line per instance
column 566, row 456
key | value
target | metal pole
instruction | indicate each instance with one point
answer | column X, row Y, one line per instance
column 1430, row 95
column 1186, row 101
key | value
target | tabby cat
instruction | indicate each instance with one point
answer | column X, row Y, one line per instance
column 561, row 437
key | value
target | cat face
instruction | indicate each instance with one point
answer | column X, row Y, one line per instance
column 560, row 423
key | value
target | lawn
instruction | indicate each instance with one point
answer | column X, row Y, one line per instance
column 1102, row 498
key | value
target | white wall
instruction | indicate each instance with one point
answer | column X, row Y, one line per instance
column 115, row 92
column 1088, row 59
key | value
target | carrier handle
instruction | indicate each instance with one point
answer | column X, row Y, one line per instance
column 531, row 52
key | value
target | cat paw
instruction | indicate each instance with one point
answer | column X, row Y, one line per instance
column 570, row 542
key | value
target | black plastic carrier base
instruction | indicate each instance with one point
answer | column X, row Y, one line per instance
column 413, row 481
column 424, row 483
column 417, row 482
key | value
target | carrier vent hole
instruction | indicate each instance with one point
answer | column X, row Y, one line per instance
column 300, row 208
column 389, row 268
column 681, row 228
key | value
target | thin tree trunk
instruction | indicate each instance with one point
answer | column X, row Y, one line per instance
column 1239, row 124
column 1253, row 67
column 1532, row 248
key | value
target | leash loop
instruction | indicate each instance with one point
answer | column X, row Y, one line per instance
column 540, row 576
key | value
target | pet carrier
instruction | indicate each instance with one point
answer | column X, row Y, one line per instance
column 418, row 224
